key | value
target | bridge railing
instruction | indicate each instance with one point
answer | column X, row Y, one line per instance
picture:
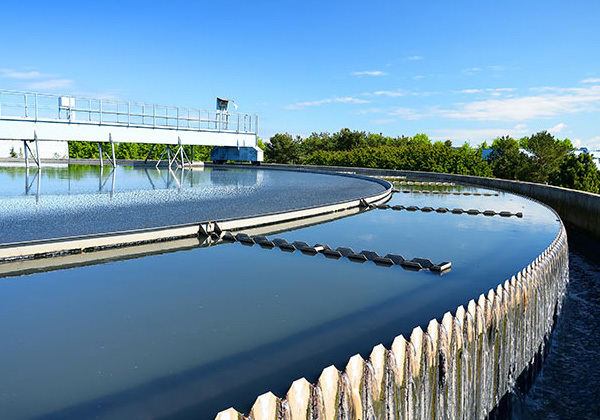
column 43, row 107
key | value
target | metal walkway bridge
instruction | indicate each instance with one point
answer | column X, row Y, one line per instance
column 35, row 117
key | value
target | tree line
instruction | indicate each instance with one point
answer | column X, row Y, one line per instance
column 89, row 150
column 540, row 158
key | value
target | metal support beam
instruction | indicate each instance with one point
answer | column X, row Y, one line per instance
column 112, row 146
column 168, row 152
column 27, row 151
column 150, row 151
column 183, row 157
column 102, row 152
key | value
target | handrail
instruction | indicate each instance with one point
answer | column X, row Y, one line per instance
column 46, row 107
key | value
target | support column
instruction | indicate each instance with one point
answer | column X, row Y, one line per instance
column 150, row 151
column 100, row 152
column 27, row 151
column 112, row 146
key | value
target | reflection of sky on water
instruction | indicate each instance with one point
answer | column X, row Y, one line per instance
column 93, row 179
column 110, row 327
column 124, row 334
column 144, row 198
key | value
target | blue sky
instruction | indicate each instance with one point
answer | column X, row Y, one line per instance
column 460, row 70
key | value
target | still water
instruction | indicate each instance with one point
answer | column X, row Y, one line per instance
column 189, row 333
column 78, row 199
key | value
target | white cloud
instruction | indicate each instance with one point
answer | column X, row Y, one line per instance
column 528, row 107
column 552, row 102
column 499, row 91
column 50, row 84
column 406, row 113
column 398, row 93
column 477, row 135
column 491, row 91
column 336, row 100
column 591, row 80
column 22, row 75
column 471, row 70
column 390, row 93
column 592, row 143
column 369, row 73
column 544, row 89
column 415, row 58
column 557, row 128
column 35, row 80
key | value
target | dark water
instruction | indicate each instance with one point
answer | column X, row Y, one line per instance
column 568, row 386
column 189, row 333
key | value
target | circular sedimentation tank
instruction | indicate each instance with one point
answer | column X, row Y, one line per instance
column 194, row 325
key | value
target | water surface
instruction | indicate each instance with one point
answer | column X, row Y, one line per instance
column 190, row 333
column 79, row 200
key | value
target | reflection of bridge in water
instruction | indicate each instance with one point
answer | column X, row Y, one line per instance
column 157, row 179
column 35, row 117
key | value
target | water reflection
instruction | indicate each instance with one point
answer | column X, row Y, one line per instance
column 82, row 179
column 92, row 199
column 29, row 184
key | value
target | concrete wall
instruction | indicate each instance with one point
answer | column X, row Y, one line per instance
column 48, row 149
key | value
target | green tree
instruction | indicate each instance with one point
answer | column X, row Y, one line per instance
column 348, row 140
column 283, row 148
column 507, row 161
column 414, row 157
column 578, row 172
column 548, row 154
column 260, row 143
column 315, row 142
column 83, row 150
column 420, row 138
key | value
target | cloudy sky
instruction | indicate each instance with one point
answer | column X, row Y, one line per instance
column 459, row 70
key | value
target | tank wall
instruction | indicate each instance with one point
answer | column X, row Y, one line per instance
column 459, row 367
